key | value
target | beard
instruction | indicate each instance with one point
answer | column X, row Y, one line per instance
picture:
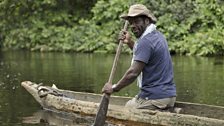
column 137, row 34
column 138, row 31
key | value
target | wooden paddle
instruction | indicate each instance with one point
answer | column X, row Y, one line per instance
column 102, row 110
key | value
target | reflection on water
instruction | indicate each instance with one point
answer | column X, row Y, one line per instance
column 198, row 79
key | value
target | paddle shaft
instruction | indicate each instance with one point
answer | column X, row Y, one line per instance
column 102, row 110
column 117, row 56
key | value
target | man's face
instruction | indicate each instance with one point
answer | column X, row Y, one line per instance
column 138, row 25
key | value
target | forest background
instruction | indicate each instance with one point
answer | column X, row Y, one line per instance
column 192, row 27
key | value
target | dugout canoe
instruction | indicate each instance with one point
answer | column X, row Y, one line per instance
column 191, row 114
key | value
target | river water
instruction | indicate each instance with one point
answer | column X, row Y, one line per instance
column 198, row 80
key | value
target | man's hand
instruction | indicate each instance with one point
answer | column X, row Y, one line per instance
column 125, row 37
column 107, row 88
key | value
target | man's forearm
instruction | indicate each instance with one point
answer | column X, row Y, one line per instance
column 127, row 79
column 131, row 44
column 130, row 76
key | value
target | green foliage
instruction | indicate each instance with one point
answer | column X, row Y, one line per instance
column 192, row 27
column 48, row 25
column 47, row 39
column 204, row 30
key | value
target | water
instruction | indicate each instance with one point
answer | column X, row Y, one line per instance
column 198, row 79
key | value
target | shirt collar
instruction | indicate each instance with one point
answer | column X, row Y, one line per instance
column 148, row 30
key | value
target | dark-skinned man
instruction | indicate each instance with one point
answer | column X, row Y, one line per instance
column 151, row 63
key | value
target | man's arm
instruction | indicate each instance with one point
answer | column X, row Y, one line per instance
column 131, row 44
column 126, row 38
column 129, row 77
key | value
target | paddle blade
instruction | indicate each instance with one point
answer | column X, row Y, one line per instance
column 102, row 111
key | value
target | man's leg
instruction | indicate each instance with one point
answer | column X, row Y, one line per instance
column 140, row 103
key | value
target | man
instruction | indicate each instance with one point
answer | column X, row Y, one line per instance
column 151, row 64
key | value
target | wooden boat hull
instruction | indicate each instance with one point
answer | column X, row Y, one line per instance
column 73, row 102
column 43, row 118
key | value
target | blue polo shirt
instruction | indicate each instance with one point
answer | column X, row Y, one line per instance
column 157, row 79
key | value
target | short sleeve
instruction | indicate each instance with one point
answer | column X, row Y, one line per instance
column 143, row 51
